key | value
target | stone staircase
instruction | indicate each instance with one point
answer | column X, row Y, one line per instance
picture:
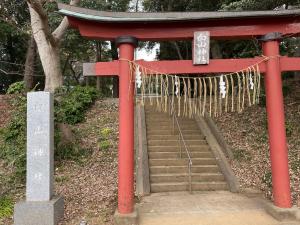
column 169, row 172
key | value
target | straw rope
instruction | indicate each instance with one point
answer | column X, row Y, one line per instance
column 216, row 94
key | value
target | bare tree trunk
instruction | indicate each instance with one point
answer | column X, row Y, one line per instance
column 297, row 54
column 48, row 43
column 170, row 6
column 114, row 56
column 49, row 54
column 29, row 64
column 98, row 83
column 116, row 87
column 177, row 50
column 216, row 51
column 99, row 80
column 87, row 81
column 137, row 6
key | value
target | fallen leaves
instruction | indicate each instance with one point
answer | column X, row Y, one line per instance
column 246, row 133
column 90, row 190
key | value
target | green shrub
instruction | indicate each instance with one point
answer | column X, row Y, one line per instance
column 14, row 138
column 71, row 108
column 16, row 88
column 6, row 207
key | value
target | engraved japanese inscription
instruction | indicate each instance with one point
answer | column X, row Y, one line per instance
column 39, row 182
column 201, row 48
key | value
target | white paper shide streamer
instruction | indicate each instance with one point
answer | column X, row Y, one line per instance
column 138, row 77
column 222, row 87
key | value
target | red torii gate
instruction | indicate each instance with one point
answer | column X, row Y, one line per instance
column 127, row 28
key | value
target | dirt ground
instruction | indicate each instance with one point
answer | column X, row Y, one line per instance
column 246, row 134
column 90, row 187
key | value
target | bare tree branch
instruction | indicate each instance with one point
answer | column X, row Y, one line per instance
column 55, row 37
column 38, row 7
column 177, row 50
column 63, row 26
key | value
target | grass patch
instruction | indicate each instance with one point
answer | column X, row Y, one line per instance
column 105, row 132
column 104, row 145
column 241, row 155
column 71, row 152
column 6, row 207
column 62, row 179
column 103, row 142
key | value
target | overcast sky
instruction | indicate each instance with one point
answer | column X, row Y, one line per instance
column 142, row 53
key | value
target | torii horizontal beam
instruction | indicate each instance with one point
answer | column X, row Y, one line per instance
column 185, row 31
column 187, row 67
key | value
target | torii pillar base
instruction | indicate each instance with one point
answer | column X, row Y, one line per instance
column 126, row 219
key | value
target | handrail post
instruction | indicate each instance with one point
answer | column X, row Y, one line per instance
column 180, row 145
column 173, row 118
column 190, row 177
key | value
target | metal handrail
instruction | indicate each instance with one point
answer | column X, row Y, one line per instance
column 181, row 139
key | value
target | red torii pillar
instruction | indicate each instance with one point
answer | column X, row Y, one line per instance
column 276, row 122
column 126, row 126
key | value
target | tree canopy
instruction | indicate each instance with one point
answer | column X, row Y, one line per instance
column 16, row 32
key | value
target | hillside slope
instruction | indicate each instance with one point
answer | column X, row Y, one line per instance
column 246, row 134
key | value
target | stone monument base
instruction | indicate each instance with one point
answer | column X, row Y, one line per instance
column 39, row 213
column 126, row 219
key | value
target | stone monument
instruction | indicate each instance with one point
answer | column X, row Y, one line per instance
column 41, row 206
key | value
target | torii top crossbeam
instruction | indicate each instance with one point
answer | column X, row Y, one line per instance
column 127, row 28
column 181, row 25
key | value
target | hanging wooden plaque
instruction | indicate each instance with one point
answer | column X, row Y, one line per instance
column 201, row 48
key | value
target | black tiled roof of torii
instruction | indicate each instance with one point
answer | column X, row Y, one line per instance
column 144, row 17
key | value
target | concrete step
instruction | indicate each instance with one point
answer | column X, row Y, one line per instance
column 184, row 169
column 175, row 137
column 175, row 142
column 157, row 114
column 165, row 119
column 181, row 162
column 184, row 186
column 169, row 132
column 195, row 148
column 184, row 177
column 176, row 155
column 170, row 122
column 157, row 126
